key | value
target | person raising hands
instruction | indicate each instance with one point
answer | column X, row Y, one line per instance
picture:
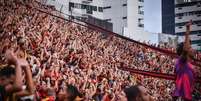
column 184, row 69
column 11, row 78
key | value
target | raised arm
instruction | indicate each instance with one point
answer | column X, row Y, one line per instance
column 43, row 70
column 12, row 59
column 187, row 45
column 29, row 78
column 29, row 90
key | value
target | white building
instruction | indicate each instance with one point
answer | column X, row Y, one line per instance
column 127, row 16
column 170, row 39
column 135, row 20
column 186, row 10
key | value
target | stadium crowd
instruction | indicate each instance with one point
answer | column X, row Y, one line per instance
column 64, row 55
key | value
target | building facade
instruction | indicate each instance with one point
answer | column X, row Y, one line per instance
column 168, row 16
column 186, row 10
column 126, row 16
column 135, row 19
column 175, row 15
column 170, row 39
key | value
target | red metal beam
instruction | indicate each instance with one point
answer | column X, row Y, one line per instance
column 155, row 74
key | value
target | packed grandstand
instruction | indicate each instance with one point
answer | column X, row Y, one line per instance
column 99, row 63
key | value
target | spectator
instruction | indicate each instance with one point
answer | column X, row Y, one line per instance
column 71, row 94
column 11, row 79
column 61, row 53
column 137, row 93
column 184, row 70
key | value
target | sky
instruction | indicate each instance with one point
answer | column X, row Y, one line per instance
column 152, row 17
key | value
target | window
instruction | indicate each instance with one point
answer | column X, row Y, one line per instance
column 192, row 33
column 198, row 24
column 180, row 8
column 140, row 25
column 187, row 0
column 86, row 1
column 124, row 17
column 107, row 7
column 89, row 12
column 191, row 13
column 185, row 14
column 140, row 22
column 76, row 5
column 94, row 8
column 89, row 9
column 180, row 17
column 199, row 4
column 108, row 19
column 183, row 4
column 180, row 27
column 140, row 10
column 180, row 24
column 71, row 5
column 140, row 7
column 83, row 6
column 179, row 14
column 124, row 5
column 141, row 0
column 100, row 9
column 198, row 12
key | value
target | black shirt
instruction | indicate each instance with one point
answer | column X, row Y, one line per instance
column 2, row 93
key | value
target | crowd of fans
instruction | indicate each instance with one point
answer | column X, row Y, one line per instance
column 63, row 55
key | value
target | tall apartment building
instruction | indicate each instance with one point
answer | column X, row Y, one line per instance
column 180, row 12
column 168, row 16
column 126, row 16
column 135, row 20
column 186, row 10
